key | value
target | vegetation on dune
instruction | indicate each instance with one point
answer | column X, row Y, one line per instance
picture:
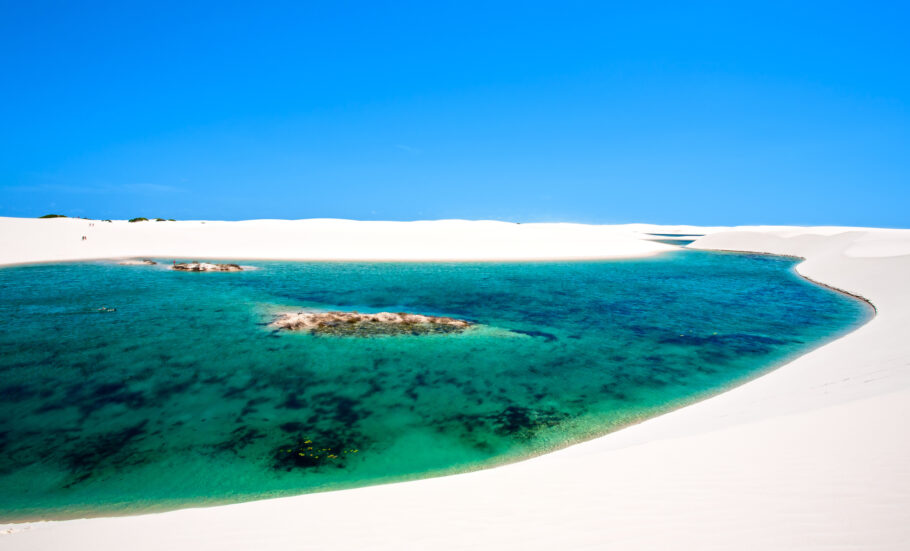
column 137, row 219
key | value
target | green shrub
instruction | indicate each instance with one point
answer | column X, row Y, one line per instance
column 53, row 216
column 140, row 219
column 160, row 220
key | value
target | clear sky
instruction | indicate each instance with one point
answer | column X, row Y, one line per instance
column 722, row 113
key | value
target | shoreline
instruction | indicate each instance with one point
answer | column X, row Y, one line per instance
column 807, row 278
column 856, row 296
column 811, row 442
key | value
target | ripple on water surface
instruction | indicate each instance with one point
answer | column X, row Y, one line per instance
column 133, row 388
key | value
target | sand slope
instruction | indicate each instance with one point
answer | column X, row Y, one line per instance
column 815, row 455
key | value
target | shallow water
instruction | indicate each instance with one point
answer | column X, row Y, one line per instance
column 182, row 395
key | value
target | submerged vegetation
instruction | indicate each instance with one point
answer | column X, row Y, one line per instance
column 306, row 453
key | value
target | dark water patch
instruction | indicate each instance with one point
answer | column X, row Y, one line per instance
column 489, row 430
column 106, row 394
column 292, row 426
column 115, row 449
column 17, row 392
column 522, row 422
column 548, row 337
column 341, row 409
column 375, row 387
column 250, row 407
column 613, row 392
column 235, row 391
column 170, row 390
column 240, row 438
column 292, row 401
column 215, row 380
column 736, row 343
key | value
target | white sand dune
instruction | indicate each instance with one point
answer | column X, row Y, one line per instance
column 815, row 455
column 31, row 240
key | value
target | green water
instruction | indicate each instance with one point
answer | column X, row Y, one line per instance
column 183, row 396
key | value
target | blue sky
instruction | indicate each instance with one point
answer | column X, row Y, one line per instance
column 716, row 113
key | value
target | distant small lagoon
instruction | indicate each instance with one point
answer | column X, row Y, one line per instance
column 127, row 389
column 674, row 241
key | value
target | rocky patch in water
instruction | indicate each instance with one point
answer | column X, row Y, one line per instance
column 355, row 324
column 206, row 267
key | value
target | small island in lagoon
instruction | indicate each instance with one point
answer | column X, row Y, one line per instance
column 205, row 267
column 375, row 324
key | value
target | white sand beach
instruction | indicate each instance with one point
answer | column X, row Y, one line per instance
column 814, row 455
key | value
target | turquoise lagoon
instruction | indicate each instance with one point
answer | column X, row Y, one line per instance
column 182, row 396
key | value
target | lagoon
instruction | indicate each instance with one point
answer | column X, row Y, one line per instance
column 135, row 388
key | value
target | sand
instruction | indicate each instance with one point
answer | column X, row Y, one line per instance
column 814, row 455
column 25, row 240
